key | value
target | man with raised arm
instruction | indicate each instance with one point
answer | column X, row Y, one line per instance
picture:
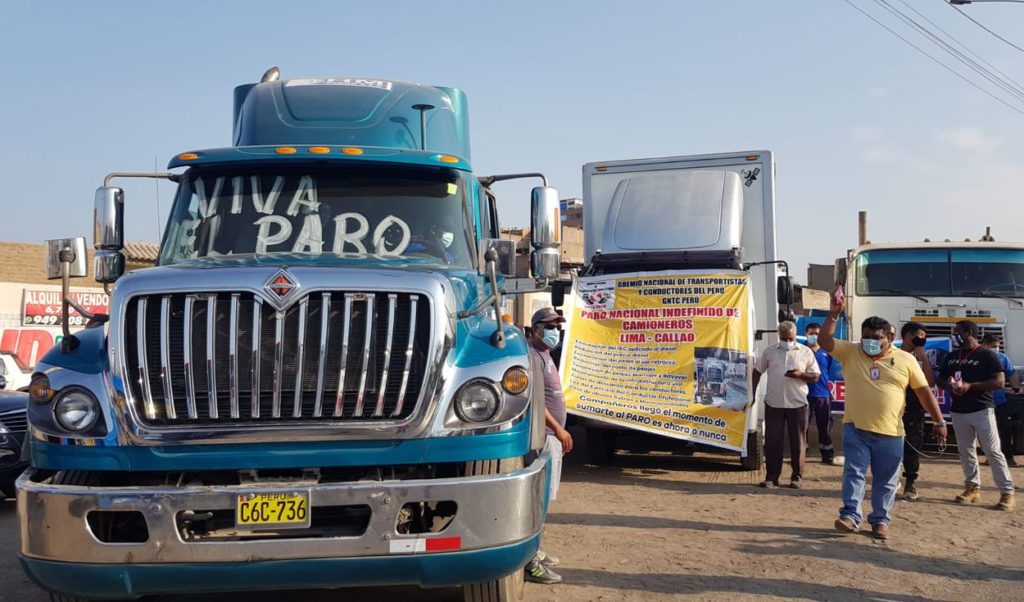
column 877, row 374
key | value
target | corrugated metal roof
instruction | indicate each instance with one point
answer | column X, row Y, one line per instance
column 141, row 251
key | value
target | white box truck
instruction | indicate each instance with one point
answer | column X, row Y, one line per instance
column 680, row 286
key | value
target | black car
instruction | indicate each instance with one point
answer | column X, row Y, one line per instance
column 13, row 427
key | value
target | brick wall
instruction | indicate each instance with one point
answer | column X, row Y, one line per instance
column 26, row 262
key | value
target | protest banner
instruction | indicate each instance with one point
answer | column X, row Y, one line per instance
column 662, row 352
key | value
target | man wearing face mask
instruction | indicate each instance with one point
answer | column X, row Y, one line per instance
column 971, row 373
column 914, row 339
column 789, row 367
column 877, row 376
column 545, row 335
column 819, row 397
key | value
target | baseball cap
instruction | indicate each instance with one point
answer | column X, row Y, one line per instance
column 546, row 314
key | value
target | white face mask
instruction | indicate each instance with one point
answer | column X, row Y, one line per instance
column 787, row 345
column 447, row 238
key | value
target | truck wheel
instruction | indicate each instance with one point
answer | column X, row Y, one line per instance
column 755, row 452
column 601, row 445
column 510, row 587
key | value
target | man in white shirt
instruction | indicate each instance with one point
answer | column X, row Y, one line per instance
column 789, row 367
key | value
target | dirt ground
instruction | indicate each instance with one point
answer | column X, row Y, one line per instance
column 668, row 527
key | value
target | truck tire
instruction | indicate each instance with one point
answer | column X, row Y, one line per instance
column 601, row 445
column 755, row 451
column 510, row 587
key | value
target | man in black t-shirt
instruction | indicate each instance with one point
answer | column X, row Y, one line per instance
column 971, row 373
column 914, row 338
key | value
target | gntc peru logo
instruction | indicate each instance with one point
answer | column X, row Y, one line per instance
column 281, row 286
column 598, row 295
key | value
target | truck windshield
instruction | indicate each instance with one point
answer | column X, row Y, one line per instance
column 379, row 212
column 941, row 272
column 988, row 272
column 904, row 272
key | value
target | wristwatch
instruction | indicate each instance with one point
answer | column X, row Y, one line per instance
column 941, row 422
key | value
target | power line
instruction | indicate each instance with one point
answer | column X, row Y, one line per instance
column 979, row 24
column 945, row 46
column 933, row 59
column 961, row 44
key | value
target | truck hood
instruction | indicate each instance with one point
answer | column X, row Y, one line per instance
column 465, row 285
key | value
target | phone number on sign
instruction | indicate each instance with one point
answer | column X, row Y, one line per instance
column 53, row 320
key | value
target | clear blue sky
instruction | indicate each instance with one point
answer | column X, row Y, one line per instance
column 857, row 119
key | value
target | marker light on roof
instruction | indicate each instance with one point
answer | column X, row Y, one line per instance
column 319, row 150
column 188, row 156
column 285, row 150
column 447, row 159
column 349, row 150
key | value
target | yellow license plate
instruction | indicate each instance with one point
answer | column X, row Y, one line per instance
column 280, row 510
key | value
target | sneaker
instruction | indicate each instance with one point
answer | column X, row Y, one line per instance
column 536, row 572
column 880, row 531
column 768, row 484
column 547, row 559
column 845, row 525
column 1011, row 461
column 796, row 483
column 910, row 493
column 970, row 494
column 828, row 461
column 1007, row 502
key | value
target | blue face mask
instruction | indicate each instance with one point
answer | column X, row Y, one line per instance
column 812, row 339
column 871, row 347
column 551, row 338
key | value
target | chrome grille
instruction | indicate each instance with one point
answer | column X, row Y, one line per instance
column 15, row 421
column 231, row 357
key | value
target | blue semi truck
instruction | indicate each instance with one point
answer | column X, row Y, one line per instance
column 314, row 386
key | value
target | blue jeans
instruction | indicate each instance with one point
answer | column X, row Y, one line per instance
column 883, row 454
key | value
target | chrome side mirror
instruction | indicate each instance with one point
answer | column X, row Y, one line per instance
column 70, row 251
column 506, row 256
column 108, row 233
column 545, row 232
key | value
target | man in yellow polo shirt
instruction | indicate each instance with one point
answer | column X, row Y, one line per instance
column 877, row 375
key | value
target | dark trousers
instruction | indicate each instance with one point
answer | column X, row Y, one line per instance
column 1008, row 415
column 778, row 424
column 913, row 424
column 819, row 412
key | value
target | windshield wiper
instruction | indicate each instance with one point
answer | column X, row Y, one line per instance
column 895, row 291
column 994, row 296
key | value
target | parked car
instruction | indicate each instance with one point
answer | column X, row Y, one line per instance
column 15, row 373
column 13, row 425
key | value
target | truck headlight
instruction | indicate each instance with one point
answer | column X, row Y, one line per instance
column 76, row 410
column 476, row 401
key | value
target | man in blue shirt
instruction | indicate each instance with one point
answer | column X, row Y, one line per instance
column 1007, row 411
column 819, row 397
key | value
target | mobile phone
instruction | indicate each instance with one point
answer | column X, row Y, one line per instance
column 838, row 295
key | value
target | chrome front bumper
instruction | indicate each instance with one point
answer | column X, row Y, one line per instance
column 493, row 511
